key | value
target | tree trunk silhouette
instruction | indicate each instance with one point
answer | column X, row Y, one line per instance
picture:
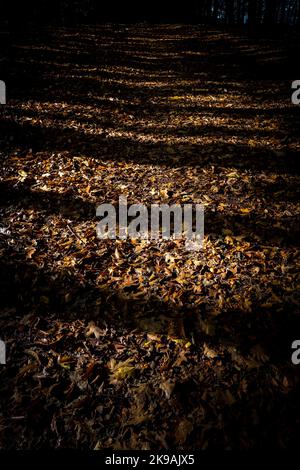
column 270, row 12
column 229, row 12
column 252, row 13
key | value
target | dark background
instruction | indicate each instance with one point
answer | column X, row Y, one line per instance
column 269, row 13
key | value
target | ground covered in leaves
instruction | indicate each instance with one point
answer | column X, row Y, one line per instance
column 136, row 344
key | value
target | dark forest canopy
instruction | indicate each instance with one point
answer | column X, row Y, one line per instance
column 231, row 12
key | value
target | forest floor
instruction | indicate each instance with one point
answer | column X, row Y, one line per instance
column 129, row 344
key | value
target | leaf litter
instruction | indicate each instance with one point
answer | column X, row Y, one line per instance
column 132, row 344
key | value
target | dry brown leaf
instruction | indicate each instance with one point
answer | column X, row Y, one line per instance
column 168, row 387
column 92, row 329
